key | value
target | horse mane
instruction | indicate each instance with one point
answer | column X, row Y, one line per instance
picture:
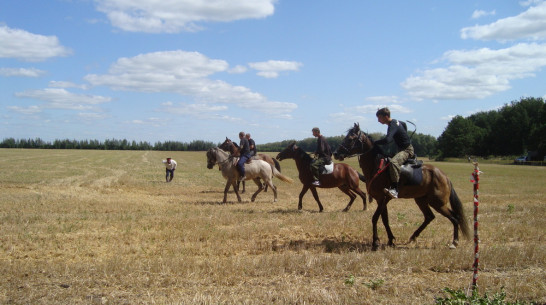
column 304, row 156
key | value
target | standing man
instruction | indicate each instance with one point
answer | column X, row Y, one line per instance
column 170, row 166
column 323, row 155
column 251, row 145
column 245, row 155
column 397, row 132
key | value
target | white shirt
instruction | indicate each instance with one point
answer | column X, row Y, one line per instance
column 172, row 165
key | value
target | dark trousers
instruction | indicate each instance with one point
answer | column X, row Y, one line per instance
column 169, row 174
column 316, row 165
column 241, row 164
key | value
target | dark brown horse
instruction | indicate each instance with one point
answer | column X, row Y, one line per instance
column 343, row 177
column 435, row 189
column 235, row 151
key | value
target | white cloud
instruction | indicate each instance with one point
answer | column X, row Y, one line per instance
column 237, row 69
column 365, row 112
column 25, row 110
column 477, row 73
column 272, row 68
column 185, row 73
column 62, row 99
column 26, row 46
column 173, row 16
column 480, row 13
column 32, row 72
column 64, row 84
column 530, row 24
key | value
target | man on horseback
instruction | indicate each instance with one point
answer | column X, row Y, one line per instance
column 245, row 155
column 251, row 145
column 323, row 154
column 397, row 132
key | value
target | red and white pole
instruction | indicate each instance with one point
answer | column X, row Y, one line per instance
column 476, row 180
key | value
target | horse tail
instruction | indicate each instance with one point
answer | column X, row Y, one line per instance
column 361, row 177
column 458, row 212
column 278, row 174
column 277, row 164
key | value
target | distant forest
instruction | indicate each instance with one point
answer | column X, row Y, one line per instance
column 518, row 128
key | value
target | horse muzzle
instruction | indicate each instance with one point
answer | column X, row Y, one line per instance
column 338, row 156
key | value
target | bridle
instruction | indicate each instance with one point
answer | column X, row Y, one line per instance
column 216, row 159
column 354, row 143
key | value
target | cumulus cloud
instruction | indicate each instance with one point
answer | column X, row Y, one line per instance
column 27, row 46
column 63, row 99
column 477, row 73
column 64, row 84
column 272, row 68
column 362, row 112
column 480, row 13
column 24, row 72
column 25, row 110
column 530, row 24
column 185, row 73
column 173, row 16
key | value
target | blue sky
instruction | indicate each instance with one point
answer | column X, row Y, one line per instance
column 184, row 70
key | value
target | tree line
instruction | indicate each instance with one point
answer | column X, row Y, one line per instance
column 515, row 129
column 109, row 144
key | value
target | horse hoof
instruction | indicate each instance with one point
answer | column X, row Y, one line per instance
column 345, row 210
column 453, row 246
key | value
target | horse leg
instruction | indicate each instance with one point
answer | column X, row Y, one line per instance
column 274, row 188
column 385, row 219
column 345, row 189
column 427, row 213
column 315, row 195
column 302, row 193
column 444, row 210
column 226, row 189
column 260, row 188
column 363, row 196
column 375, row 218
column 244, row 187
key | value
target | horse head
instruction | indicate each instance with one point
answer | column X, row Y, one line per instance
column 288, row 152
column 355, row 142
column 230, row 147
column 211, row 158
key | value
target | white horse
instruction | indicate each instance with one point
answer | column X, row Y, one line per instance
column 254, row 170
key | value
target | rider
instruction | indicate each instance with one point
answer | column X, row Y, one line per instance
column 251, row 145
column 323, row 154
column 245, row 155
column 397, row 132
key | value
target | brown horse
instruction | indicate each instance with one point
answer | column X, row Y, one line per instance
column 435, row 189
column 235, row 151
column 343, row 177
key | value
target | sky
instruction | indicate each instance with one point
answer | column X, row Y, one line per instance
column 185, row 70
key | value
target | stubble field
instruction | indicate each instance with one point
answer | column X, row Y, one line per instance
column 103, row 227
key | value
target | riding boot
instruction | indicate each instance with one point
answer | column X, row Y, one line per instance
column 393, row 190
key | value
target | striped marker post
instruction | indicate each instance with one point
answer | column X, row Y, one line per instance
column 476, row 180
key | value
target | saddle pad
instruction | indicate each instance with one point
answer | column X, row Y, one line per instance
column 328, row 169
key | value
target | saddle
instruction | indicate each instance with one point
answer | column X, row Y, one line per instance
column 411, row 171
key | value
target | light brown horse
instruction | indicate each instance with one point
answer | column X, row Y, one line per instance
column 235, row 151
column 255, row 170
column 343, row 177
column 435, row 189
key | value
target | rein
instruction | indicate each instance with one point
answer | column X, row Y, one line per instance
column 382, row 166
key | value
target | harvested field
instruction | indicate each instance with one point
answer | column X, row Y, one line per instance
column 103, row 227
